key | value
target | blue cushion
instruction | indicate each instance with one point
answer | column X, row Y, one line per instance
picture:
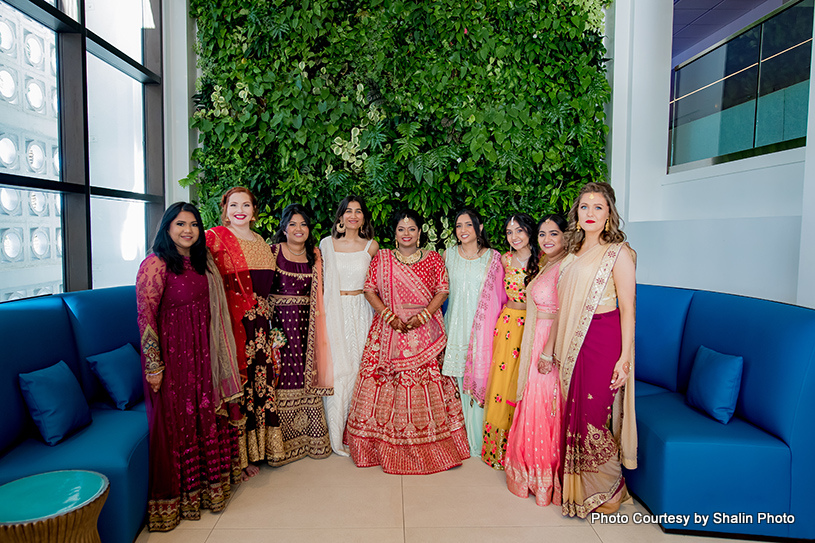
column 121, row 375
column 714, row 384
column 55, row 401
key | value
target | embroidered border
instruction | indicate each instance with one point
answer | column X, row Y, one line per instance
column 592, row 301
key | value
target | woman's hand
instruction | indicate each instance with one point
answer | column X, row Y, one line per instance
column 545, row 363
column 154, row 380
column 620, row 375
column 398, row 325
column 414, row 322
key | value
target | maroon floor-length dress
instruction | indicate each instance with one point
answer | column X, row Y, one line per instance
column 302, row 421
column 191, row 448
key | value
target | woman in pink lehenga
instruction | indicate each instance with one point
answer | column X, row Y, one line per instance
column 594, row 344
column 191, row 371
column 405, row 415
column 533, row 449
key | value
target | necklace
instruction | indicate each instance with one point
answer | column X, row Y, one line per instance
column 522, row 262
column 301, row 253
column 408, row 260
column 466, row 256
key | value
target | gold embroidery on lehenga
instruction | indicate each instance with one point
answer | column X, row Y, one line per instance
column 304, row 432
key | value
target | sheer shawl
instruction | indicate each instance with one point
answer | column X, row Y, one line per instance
column 530, row 322
column 479, row 355
column 406, row 294
column 581, row 286
column 226, row 379
column 149, row 289
column 228, row 256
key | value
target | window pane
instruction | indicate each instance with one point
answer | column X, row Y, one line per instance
column 120, row 23
column 750, row 92
column 116, row 128
column 783, row 100
column 117, row 241
column 68, row 7
column 29, row 128
column 30, row 243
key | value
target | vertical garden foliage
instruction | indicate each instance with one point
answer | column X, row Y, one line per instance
column 496, row 104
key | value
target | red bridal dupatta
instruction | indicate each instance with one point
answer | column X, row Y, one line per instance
column 479, row 355
column 228, row 256
column 406, row 293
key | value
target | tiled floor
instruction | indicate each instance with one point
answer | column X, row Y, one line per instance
column 332, row 500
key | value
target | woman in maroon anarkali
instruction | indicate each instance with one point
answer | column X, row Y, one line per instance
column 193, row 449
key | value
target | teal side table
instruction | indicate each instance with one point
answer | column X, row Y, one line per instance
column 58, row 506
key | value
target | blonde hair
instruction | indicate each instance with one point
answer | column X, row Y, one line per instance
column 575, row 237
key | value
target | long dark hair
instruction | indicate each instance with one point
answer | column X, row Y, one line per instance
column 164, row 247
column 280, row 236
column 412, row 215
column 366, row 231
column 561, row 223
column 478, row 225
column 527, row 223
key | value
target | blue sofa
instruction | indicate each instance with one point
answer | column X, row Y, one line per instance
column 754, row 475
column 40, row 332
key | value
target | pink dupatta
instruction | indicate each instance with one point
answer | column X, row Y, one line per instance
column 406, row 293
column 479, row 355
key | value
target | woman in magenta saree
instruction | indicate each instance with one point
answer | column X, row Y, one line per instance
column 190, row 374
column 595, row 347
column 405, row 415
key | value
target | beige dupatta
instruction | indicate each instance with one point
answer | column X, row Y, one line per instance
column 226, row 378
column 581, row 286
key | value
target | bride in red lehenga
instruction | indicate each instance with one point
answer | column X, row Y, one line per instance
column 405, row 415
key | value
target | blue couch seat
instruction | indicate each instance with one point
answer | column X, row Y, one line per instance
column 707, row 467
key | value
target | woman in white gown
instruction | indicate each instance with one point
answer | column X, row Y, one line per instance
column 347, row 254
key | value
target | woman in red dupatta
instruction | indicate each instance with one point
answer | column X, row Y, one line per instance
column 594, row 347
column 405, row 415
column 247, row 267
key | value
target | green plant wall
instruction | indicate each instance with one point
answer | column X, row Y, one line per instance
column 496, row 104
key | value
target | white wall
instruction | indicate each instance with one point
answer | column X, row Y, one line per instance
column 734, row 227
column 179, row 86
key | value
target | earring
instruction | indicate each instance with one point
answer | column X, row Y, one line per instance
column 607, row 225
column 340, row 227
column 578, row 227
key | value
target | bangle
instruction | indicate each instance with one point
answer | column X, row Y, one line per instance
column 154, row 373
column 424, row 316
column 547, row 357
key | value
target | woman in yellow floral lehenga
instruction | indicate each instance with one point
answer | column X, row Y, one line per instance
column 520, row 264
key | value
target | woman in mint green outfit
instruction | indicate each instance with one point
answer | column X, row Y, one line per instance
column 476, row 297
